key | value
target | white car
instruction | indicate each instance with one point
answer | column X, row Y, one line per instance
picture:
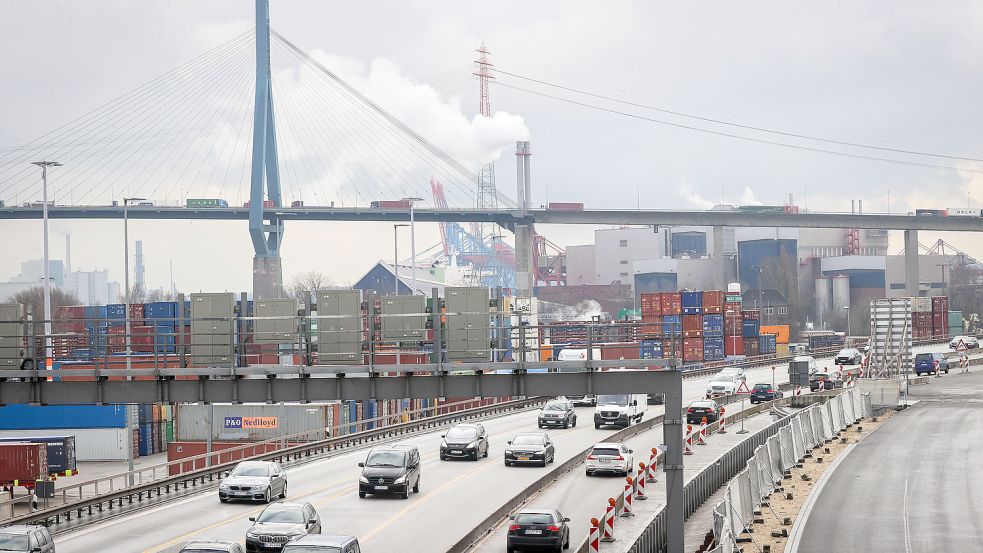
column 970, row 342
column 610, row 457
column 725, row 382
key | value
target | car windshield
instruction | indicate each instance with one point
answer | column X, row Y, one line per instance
column 762, row 387
column 462, row 434
column 608, row 451
column 848, row 352
column 700, row 405
column 821, row 376
column 528, row 439
column 11, row 542
column 310, row 549
column 533, row 518
column 614, row 399
column 208, row 550
column 385, row 459
column 291, row 515
column 251, row 469
column 923, row 357
column 558, row 406
column 802, row 358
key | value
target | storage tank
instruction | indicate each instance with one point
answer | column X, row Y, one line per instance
column 824, row 300
column 841, row 293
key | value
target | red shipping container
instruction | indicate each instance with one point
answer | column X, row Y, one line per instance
column 921, row 321
column 651, row 305
column 672, row 303
column 940, row 303
column 733, row 345
column 182, row 450
column 136, row 313
column 68, row 327
column 70, row 312
column 693, row 349
column 651, row 330
column 752, row 347
column 713, row 301
column 23, row 462
column 404, row 358
column 620, row 350
column 751, row 314
column 692, row 326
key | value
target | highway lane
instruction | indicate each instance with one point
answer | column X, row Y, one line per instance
column 913, row 486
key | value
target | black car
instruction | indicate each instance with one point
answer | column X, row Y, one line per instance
column 538, row 529
column 558, row 412
column 848, row 356
column 279, row 523
column 765, row 392
column 702, row 409
column 530, row 448
column 824, row 381
column 390, row 470
column 26, row 538
column 464, row 441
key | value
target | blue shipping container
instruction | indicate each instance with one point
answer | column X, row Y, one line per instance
column 160, row 310
column 751, row 329
column 692, row 303
column 651, row 349
column 146, row 413
column 371, row 408
column 116, row 311
column 352, row 416
column 94, row 312
column 768, row 344
column 672, row 326
column 41, row 417
column 146, row 440
column 713, row 349
column 713, row 326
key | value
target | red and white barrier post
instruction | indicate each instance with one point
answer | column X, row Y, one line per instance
column 640, row 482
column 653, row 466
column 798, row 390
column 609, row 521
column 688, row 444
column 723, row 422
column 626, row 510
column 703, row 432
column 594, row 539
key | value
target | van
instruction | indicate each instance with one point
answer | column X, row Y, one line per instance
column 390, row 470
column 619, row 409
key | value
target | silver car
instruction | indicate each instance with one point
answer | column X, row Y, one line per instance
column 254, row 481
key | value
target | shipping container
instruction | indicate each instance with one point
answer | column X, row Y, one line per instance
column 940, row 304
column 565, row 206
column 252, row 422
column 651, row 305
column 692, row 350
column 160, row 310
column 751, row 314
column 692, row 302
column 38, row 417
column 751, row 328
column 619, row 350
column 70, row 312
column 752, row 346
column 733, row 345
column 921, row 320
column 96, row 314
column 782, row 350
column 145, row 440
column 956, row 320
column 184, row 449
column 713, row 301
column 713, row 326
column 672, row 303
column 61, row 451
column 22, row 462
column 651, row 327
column 767, row 344
column 713, row 349
column 921, row 305
column 692, row 326
column 91, row 444
column 145, row 413
column 781, row 332
column 651, row 349
column 390, row 204
column 206, row 202
column 672, row 326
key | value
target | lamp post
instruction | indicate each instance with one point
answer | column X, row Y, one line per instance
column 412, row 202
column 47, row 275
column 396, row 257
column 126, row 321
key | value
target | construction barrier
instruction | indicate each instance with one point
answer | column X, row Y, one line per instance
column 688, row 444
column 609, row 521
column 653, row 466
column 594, row 538
column 703, row 432
column 626, row 509
column 723, row 422
column 640, row 482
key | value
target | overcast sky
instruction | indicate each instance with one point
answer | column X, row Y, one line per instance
column 904, row 75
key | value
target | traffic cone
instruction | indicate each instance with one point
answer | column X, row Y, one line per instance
column 609, row 521
column 640, row 482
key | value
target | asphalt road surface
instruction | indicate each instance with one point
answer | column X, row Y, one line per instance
column 914, row 485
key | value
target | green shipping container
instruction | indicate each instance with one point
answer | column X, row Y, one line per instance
column 169, row 431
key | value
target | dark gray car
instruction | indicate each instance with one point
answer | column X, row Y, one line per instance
column 254, row 481
column 538, row 529
column 557, row 412
column 323, row 544
column 26, row 539
column 530, row 448
column 464, row 441
column 279, row 523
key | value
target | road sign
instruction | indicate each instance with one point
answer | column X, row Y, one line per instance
column 961, row 346
column 743, row 389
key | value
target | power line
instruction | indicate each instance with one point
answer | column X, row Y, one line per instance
column 737, row 136
column 738, row 125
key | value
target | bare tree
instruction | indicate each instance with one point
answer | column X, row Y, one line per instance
column 137, row 295
column 159, row 295
column 34, row 297
column 310, row 281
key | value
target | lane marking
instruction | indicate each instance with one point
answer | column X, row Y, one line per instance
column 904, row 515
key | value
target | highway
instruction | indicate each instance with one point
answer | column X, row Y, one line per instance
column 455, row 495
column 913, row 486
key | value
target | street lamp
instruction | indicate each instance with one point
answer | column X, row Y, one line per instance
column 396, row 256
column 849, row 332
column 412, row 202
column 47, row 276
column 126, row 322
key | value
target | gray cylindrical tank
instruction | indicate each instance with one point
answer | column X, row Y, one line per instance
column 824, row 300
column 841, row 293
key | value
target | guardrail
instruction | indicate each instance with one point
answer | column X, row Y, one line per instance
column 164, row 484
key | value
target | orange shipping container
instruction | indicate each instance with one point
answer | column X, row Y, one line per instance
column 781, row 331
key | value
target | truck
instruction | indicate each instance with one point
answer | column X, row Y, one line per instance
column 390, row 204
column 565, row 206
column 621, row 410
column 266, row 203
column 206, row 202
column 725, row 383
column 60, row 452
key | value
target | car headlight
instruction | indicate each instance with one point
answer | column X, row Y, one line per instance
column 443, row 445
column 400, row 480
column 508, row 452
column 473, row 445
column 363, row 479
column 223, row 486
column 251, row 534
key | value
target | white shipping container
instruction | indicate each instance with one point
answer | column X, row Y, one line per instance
column 191, row 421
column 962, row 212
column 921, row 305
column 91, row 444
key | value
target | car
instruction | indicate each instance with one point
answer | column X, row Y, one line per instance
column 610, row 457
column 970, row 342
column 931, row 363
column 588, row 400
column 254, row 481
column 725, row 382
column 765, row 392
column 557, row 412
column 323, row 544
column 702, row 408
column 825, row 381
column 464, row 441
column 530, row 448
column 279, row 523
column 533, row 528
column 848, row 356
column 26, row 538
column 211, row 547
column 390, row 470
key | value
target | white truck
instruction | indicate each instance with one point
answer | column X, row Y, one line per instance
column 619, row 409
column 725, row 382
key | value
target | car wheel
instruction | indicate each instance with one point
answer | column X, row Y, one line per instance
column 545, row 462
column 361, row 494
column 588, row 472
column 566, row 544
column 268, row 496
column 442, row 457
column 486, row 452
column 575, row 422
column 416, row 487
column 508, row 464
column 283, row 494
column 406, row 493
column 597, row 426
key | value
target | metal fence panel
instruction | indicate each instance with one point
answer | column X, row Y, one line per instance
column 775, row 455
column 785, row 441
column 748, row 504
column 798, row 450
